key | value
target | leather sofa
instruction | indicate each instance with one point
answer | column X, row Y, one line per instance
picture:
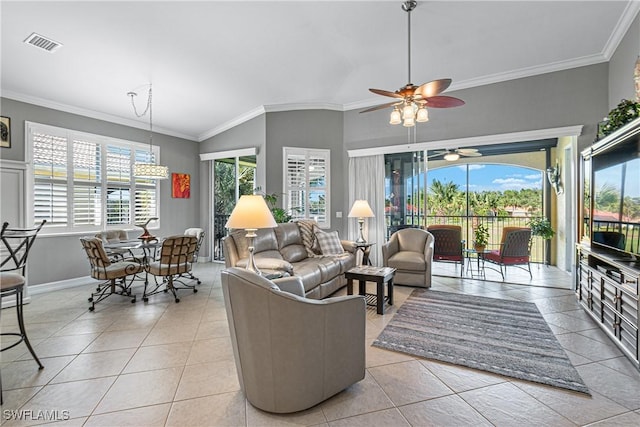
column 282, row 249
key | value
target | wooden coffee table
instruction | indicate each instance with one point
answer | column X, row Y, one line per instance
column 379, row 275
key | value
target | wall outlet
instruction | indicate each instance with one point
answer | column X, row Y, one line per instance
column 338, row 214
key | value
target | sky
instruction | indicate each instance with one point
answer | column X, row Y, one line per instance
column 488, row 177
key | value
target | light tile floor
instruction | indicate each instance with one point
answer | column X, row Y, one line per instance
column 168, row 364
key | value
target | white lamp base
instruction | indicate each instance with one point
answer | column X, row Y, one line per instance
column 251, row 265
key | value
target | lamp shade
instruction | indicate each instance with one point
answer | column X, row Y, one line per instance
column 251, row 212
column 361, row 209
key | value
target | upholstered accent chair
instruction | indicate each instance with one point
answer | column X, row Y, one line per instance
column 175, row 260
column 410, row 252
column 515, row 249
column 292, row 352
column 448, row 245
column 116, row 277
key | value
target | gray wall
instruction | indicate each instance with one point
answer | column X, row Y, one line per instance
column 58, row 258
column 564, row 98
column 622, row 64
column 321, row 129
column 250, row 134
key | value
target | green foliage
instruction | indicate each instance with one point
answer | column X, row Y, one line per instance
column 279, row 214
column 624, row 112
column 541, row 227
column 481, row 235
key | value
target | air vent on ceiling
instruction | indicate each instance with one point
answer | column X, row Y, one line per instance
column 42, row 42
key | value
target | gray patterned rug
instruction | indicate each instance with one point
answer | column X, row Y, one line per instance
column 501, row 336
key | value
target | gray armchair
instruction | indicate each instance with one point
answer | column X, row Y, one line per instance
column 410, row 252
column 291, row 352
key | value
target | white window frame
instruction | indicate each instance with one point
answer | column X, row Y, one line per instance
column 309, row 154
column 103, row 142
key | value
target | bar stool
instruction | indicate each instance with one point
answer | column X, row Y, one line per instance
column 16, row 243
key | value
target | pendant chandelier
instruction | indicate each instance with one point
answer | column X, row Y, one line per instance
column 148, row 170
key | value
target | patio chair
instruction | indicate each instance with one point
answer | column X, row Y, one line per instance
column 515, row 249
column 16, row 244
column 175, row 260
column 448, row 245
column 114, row 275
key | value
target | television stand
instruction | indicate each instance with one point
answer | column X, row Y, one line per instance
column 607, row 289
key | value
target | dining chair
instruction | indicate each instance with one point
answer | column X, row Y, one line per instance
column 113, row 275
column 16, row 244
column 199, row 234
column 175, row 260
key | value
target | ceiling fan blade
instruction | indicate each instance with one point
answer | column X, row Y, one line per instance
column 433, row 88
column 381, row 106
column 386, row 93
column 438, row 154
column 443, row 101
column 470, row 154
column 467, row 150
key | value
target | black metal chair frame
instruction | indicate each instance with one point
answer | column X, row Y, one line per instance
column 174, row 261
column 17, row 243
column 189, row 273
column 100, row 263
column 512, row 247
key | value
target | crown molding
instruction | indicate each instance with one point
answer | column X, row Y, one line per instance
column 621, row 28
column 47, row 103
column 274, row 108
column 474, row 141
column 232, row 123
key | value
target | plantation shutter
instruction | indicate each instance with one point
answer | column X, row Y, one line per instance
column 50, row 178
column 306, row 184
column 84, row 182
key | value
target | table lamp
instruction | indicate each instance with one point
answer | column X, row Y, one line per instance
column 361, row 210
column 251, row 213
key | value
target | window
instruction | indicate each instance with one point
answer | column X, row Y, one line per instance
column 84, row 182
column 306, row 184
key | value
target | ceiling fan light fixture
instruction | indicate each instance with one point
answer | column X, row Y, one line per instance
column 451, row 157
column 407, row 112
column 422, row 115
column 396, row 117
column 409, row 122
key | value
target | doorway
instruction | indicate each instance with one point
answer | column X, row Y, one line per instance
column 232, row 178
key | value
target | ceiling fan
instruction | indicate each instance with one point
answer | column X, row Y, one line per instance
column 453, row 155
column 411, row 101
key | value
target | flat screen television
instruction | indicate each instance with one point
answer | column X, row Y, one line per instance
column 615, row 213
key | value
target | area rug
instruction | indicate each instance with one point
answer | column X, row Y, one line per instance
column 505, row 337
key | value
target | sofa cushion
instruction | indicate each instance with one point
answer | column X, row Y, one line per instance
column 290, row 242
column 308, row 271
column 308, row 233
column 265, row 240
column 330, row 243
column 408, row 260
column 267, row 263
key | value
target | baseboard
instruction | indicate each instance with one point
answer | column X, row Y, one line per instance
column 59, row 285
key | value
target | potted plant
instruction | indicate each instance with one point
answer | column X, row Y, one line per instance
column 541, row 227
column 279, row 214
column 481, row 237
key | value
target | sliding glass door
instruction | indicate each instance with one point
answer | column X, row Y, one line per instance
column 232, row 178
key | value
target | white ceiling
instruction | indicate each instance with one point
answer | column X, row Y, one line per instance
column 215, row 63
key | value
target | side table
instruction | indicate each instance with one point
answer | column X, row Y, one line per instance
column 379, row 275
column 365, row 248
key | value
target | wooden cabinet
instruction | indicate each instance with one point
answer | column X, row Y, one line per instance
column 607, row 288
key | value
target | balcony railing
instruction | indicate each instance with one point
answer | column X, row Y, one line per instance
column 495, row 224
